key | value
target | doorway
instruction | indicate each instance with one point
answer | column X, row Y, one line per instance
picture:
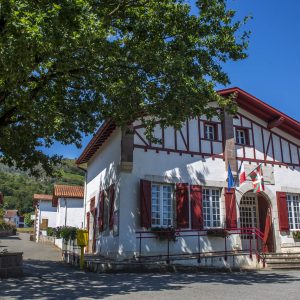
column 255, row 212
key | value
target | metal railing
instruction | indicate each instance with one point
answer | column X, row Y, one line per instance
column 253, row 235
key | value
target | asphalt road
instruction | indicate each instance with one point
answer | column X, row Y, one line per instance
column 48, row 278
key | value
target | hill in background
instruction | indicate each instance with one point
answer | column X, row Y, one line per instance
column 18, row 187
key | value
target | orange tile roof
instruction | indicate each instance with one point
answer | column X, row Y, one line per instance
column 42, row 197
column 10, row 213
column 68, row 191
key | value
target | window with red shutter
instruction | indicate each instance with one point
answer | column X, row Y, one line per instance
column 111, row 205
column 145, row 203
column 101, row 211
column 196, row 206
column 282, row 211
column 182, row 205
column 230, row 205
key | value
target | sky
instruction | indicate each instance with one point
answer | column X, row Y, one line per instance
column 272, row 70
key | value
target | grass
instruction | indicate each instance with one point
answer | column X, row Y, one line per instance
column 25, row 230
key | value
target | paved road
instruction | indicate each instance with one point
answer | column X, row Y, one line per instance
column 47, row 278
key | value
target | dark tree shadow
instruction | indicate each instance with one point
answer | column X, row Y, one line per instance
column 56, row 280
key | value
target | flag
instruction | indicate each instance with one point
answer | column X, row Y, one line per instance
column 230, row 179
column 242, row 174
column 257, row 179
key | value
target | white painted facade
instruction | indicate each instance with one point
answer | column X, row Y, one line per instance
column 69, row 212
column 44, row 210
column 187, row 157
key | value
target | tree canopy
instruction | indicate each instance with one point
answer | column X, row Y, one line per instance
column 65, row 66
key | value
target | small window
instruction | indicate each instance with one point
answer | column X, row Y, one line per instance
column 241, row 136
column 161, row 205
column 210, row 131
column 293, row 203
column 211, row 208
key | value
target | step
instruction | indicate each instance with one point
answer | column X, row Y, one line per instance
column 284, row 266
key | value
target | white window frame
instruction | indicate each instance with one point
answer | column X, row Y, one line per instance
column 209, row 135
column 211, row 221
column 161, row 205
column 239, row 137
column 292, row 199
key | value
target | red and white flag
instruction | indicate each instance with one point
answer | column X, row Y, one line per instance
column 257, row 179
column 242, row 174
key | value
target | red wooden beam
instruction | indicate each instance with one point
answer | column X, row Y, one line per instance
column 275, row 122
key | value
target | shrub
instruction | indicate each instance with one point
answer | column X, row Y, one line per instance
column 296, row 234
column 50, row 231
column 65, row 232
column 27, row 220
column 165, row 233
column 218, row 232
column 4, row 226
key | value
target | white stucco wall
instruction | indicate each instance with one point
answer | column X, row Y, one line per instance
column 102, row 171
column 70, row 212
column 45, row 211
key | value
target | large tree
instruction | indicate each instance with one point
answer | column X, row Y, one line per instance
column 65, row 66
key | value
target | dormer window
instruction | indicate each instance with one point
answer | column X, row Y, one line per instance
column 210, row 131
column 241, row 136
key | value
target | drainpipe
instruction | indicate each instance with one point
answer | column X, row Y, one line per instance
column 66, row 211
column 85, row 192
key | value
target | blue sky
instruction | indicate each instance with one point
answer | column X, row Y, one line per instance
column 272, row 70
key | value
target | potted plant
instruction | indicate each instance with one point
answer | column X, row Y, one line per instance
column 165, row 233
column 296, row 235
column 217, row 232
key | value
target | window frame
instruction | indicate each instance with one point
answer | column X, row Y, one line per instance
column 215, row 132
column 246, row 136
column 211, row 226
column 161, row 205
column 291, row 209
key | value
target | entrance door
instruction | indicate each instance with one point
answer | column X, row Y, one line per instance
column 255, row 212
column 248, row 218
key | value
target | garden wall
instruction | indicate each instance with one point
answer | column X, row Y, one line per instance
column 11, row 264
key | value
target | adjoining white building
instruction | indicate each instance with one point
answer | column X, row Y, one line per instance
column 68, row 203
column 135, row 187
column 45, row 214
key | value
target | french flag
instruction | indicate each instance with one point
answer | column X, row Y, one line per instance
column 242, row 173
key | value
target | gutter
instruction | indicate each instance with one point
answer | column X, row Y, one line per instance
column 85, row 192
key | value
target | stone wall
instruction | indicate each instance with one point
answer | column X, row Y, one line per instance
column 11, row 264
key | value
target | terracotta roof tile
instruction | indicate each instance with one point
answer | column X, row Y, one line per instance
column 68, row 191
column 42, row 197
column 10, row 213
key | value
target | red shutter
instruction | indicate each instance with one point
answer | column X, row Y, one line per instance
column 88, row 222
column 111, row 205
column 216, row 132
column 182, row 205
column 282, row 211
column 196, row 205
column 145, row 203
column 101, row 211
column 247, row 137
column 230, row 205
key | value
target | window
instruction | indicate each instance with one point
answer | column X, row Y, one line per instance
column 210, row 131
column 161, row 208
column 241, row 136
column 211, row 207
column 293, row 203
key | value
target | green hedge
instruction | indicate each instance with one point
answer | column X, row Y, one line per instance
column 65, row 232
